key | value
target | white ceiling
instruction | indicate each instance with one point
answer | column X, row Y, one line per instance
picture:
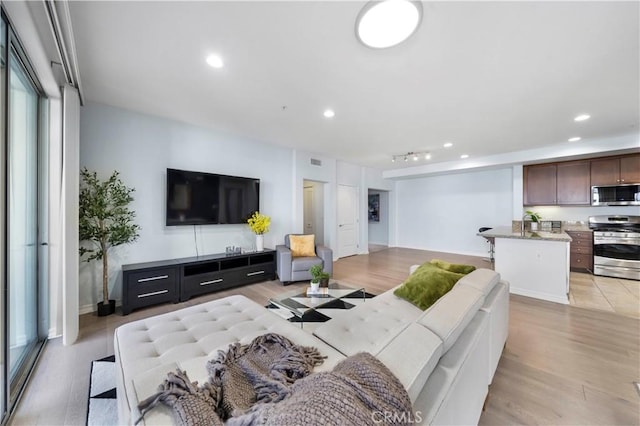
column 491, row 77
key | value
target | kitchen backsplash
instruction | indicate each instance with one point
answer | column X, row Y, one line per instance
column 551, row 225
column 581, row 213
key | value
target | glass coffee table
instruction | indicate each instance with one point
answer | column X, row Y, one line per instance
column 303, row 305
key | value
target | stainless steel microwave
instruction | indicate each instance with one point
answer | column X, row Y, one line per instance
column 616, row 195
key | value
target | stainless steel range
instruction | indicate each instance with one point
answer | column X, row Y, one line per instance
column 616, row 246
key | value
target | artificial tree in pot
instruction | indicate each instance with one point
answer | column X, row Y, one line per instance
column 105, row 221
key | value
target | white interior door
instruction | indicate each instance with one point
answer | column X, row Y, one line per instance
column 309, row 214
column 347, row 220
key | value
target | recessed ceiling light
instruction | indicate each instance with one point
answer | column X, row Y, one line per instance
column 329, row 113
column 463, row 156
column 386, row 23
column 582, row 117
column 415, row 157
column 448, row 145
column 576, row 139
column 427, row 156
column 215, row 61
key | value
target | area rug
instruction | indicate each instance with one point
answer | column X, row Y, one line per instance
column 103, row 409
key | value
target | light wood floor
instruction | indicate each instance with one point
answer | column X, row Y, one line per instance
column 561, row 365
column 377, row 247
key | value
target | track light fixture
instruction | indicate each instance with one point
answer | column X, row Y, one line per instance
column 415, row 156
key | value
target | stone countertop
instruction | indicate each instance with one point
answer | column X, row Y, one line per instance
column 507, row 232
column 576, row 227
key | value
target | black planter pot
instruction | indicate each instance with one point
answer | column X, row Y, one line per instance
column 324, row 282
column 108, row 309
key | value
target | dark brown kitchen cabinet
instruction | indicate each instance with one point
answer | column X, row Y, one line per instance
column 540, row 185
column 564, row 183
column 569, row 183
column 630, row 169
column 616, row 170
column 581, row 250
column 572, row 179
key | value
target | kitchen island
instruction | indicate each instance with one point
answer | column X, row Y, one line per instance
column 536, row 264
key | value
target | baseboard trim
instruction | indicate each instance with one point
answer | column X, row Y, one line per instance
column 464, row 253
column 539, row 295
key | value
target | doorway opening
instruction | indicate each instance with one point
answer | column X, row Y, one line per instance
column 313, row 210
column 378, row 215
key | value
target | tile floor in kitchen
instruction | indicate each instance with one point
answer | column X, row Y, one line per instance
column 604, row 293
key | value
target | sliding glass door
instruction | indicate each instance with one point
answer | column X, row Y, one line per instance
column 22, row 216
column 4, row 383
column 24, row 267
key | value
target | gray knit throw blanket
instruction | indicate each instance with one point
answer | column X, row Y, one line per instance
column 260, row 371
column 268, row 382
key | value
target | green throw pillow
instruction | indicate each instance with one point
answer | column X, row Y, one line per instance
column 453, row 267
column 426, row 285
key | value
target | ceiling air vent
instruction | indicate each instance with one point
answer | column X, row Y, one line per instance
column 316, row 162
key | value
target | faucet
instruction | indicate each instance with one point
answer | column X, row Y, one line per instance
column 526, row 215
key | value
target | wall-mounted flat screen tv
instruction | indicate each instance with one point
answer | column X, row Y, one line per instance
column 195, row 198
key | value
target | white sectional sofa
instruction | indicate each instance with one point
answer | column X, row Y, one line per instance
column 445, row 356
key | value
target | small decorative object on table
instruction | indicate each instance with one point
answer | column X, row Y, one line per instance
column 319, row 292
column 535, row 218
column 319, row 278
column 233, row 250
column 259, row 224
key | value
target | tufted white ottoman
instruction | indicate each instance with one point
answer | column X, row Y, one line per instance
column 146, row 350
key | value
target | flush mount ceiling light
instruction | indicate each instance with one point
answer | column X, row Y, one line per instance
column 329, row 113
column 415, row 156
column 386, row 23
column 215, row 61
column 582, row 117
column 576, row 139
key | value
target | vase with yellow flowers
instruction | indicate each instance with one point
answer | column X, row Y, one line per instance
column 259, row 224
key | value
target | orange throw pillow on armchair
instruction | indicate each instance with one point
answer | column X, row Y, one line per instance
column 302, row 245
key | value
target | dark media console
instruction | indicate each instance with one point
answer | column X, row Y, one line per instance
column 151, row 283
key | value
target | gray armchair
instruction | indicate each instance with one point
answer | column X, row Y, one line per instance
column 297, row 268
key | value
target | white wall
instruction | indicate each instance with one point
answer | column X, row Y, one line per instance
column 379, row 231
column 325, row 173
column 443, row 213
column 141, row 148
column 332, row 172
